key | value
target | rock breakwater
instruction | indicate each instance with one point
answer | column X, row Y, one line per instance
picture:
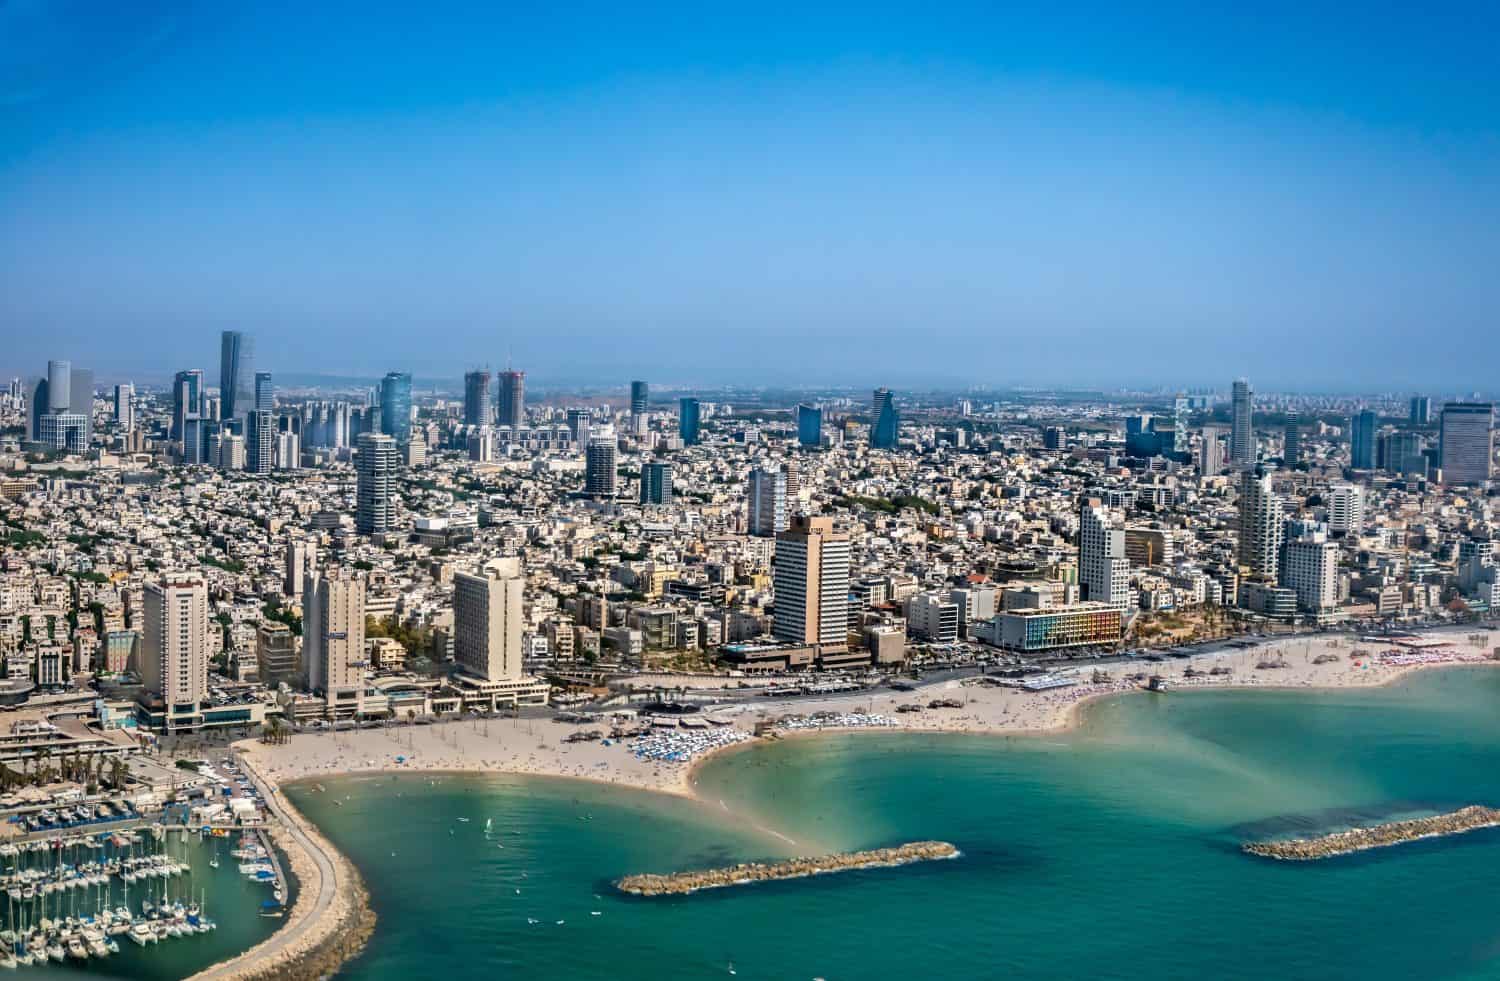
column 1464, row 819
column 681, row 883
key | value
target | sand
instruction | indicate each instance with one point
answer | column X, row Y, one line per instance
column 536, row 747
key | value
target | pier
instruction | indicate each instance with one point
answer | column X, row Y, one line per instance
column 682, row 883
column 1470, row 818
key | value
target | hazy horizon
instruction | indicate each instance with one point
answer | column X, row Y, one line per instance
column 845, row 196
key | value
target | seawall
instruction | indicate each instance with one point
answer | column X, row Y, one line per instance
column 1469, row 818
column 681, row 883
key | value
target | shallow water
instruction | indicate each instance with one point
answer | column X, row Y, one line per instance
column 1109, row 852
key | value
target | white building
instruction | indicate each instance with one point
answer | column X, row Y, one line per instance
column 1260, row 525
column 765, row 502
column 487, row 620
column 1103, row 569
column 1346, row 509
column 1312, row 564
column 933, row 617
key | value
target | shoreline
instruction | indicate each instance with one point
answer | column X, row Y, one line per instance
column 1000, row 711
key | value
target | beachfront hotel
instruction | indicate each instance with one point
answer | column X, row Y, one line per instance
column 1078, row 625
column 487, row 634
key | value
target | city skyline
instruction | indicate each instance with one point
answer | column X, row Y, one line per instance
column 709, row 192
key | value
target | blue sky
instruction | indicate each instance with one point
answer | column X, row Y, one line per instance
column 911, row 195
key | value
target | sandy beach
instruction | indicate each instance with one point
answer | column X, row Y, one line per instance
column 537, row 747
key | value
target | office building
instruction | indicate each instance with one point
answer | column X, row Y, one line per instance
column 765, row 502
column 64, row 432
column 125, row 407
column 265, row 392
column 1053, row 437
column 395, row 406
column 601, row 463
column 1467, row 442
column 276, row 654
column 885, row 425
column 1421, row 410
column 656, row 483
column 38, row 407
column 59, row 385
column 260, row 442
column 578, row 426
column 231, row 448
column 333, row 636
column 236, row 370
column 1346, row 509
column 689, row 420
column 1362, row 440
column 809, row 425
column 1404, row 454
column 174, row 652
column 487, row 621
column 811, row 583
column 477, row 398
column 187, row 395
column 375, row 464
column 1242, row 430
column 1103, row 567
column 511, row 404
column 640, row 397
column 1260, row 525
column 1291, row 444
column 195, row 432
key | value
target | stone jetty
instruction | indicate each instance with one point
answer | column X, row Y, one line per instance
column 1469, row 818
column 681, row 883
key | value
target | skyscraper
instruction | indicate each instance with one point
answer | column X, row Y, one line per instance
column 1421, row 410
column 81, row 399
column 1467, row 442
column 395, row 406
column 39, row 406
column 1242, row 430
column 260, row 442
column 59, row 382
column 125, row 407
column 1362, row 440
column 512, row 398
column 688, row 421
column 187, row 394
column 640, row 395
column 1103, row 569
column 1291, row 444
column 1346, row 508
column 601, row 467
column 811, row 583
column 375, row 463
column 1311, row 571
column 477, row 398
column 236, row 369
column 333, row 634
column 809, row 425
column 487, row 620
column 765, row 502
column 174, row 652
column 301, row 556
column 1404, row 454
column 656, row 483
column 578, row 426
column 265, row 392
column 886, row 424
column 1180, row 413
column 1260, row 525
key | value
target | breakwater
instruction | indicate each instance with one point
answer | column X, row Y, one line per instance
column 1469, row 818
column 680, row 883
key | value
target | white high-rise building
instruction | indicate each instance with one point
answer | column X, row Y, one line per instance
column 301, row 557
column 333, row 636
column 174, row 651
column 601, row 466
column 1346, row 508
column 375, row 463
column 934, row 617
column 1242, row 428
column 1312, row 564
column 1103, row 568
column 487, row 621
column 1260, row 525
column 1211, row 451
column 765, row 502
column 811, row 584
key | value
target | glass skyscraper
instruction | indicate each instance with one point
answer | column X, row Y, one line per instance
column 689, row 419
column 886, row 424
column 1362, row 441
column 236, row 369
column 809, row 425
column 395, row 406
column 265, row 392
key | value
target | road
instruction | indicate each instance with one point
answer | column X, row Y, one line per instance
column 327, row 886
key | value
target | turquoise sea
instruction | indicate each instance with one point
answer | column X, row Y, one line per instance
column 1110, row 852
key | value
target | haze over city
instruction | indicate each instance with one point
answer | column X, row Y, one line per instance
column 850, row 195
